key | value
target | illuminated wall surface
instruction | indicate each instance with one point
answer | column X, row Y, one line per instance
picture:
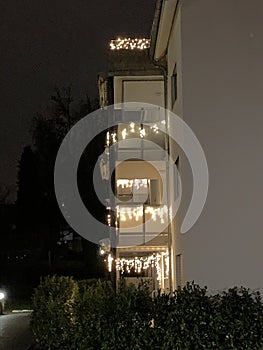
column 219, row 94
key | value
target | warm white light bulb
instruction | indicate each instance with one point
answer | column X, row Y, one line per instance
column 142, row 133
column 124, row 133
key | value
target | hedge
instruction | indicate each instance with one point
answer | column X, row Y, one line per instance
column 72, row 315
column 53, row 318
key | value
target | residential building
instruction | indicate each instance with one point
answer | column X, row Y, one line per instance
column 204, row 65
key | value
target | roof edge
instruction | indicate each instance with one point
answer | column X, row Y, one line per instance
column 155, row 26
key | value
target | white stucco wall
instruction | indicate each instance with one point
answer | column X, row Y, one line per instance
column 222, row 55
column 174, row 59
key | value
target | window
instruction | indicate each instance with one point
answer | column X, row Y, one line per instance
column 174, row 86
column 176, row 179
column 179, row 270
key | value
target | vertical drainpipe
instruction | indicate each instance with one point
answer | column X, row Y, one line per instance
column 167, row 149
column 163, row 68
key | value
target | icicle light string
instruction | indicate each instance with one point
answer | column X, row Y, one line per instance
column 138, row 264
column 112, row 138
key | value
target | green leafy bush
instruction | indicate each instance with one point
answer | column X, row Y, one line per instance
column 184, row 320
column 53, row 318
column 95, row 308
column 110, row 320
column 189, row 318
column 239, row 319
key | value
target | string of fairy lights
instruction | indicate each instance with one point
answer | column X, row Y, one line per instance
column 133, row 128
column 159, row 262
column 125, row 213
column 130, row 44
column 137, row 183
column 156, row 261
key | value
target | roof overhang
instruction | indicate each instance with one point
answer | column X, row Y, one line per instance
column 161, row 29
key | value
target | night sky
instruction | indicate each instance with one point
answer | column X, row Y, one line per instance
column 55, row 43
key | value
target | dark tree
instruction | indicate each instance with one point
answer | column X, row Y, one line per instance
column 40, row 219
column 5, row 192
column 28, row 234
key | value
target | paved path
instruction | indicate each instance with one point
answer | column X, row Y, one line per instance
column 15, row 333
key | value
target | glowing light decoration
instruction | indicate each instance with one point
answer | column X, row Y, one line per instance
column 137, row 263
column 137, row 183
column 108, row 139
column 124, row 183
column 141, row 183
column 142, row 132
column 155, row 128
column 110, row 260
column 124, row 134
column 109, row 219
column 114, row 137
column 130, row 44
column 133, row 128
column 135, row 213
column 158, row 261
column 166, row 260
